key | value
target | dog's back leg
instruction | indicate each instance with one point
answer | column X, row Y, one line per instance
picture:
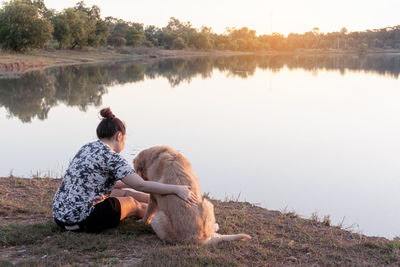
column 162, row 226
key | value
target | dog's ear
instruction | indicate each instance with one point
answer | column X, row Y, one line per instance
column 145, row 159
column 139, row 165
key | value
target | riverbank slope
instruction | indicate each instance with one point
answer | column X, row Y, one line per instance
column 13, row 63
column 28, row 236
column 42, row 59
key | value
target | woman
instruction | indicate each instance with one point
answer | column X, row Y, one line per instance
column 90, row 198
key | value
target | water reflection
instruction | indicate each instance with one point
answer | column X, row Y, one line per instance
column 35, row 93
column 80, row 86
column 30, row 96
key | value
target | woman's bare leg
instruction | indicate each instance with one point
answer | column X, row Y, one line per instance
column 131, row 207
column 139, row 196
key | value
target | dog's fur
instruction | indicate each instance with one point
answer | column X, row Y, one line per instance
column 171, row 218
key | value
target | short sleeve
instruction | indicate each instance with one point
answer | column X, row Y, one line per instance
column 120, row 166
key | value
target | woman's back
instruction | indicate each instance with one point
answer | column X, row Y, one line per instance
column 88, row 180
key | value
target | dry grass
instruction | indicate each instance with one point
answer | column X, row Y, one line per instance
column 28, row 236
column 23, row 200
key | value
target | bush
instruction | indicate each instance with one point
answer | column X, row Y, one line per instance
column 179, row 43
column 22, row 27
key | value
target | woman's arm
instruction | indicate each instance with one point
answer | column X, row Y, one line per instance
column 182, row 191
column 120, row 185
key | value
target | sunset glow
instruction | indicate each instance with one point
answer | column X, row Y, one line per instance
column 264, row 16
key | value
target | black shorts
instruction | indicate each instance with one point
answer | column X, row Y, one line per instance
column 105, row 215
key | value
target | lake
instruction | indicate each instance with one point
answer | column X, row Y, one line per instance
column 311, row 134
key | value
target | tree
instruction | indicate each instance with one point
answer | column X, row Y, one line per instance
column 23, row 27
column 175, row 29
column 96, row 28
column 222, row 42
column 80, row 26
column 178, row 43
column 243, row 39
column 70, row 28
column 202, row 39
column 124, row 33
column 150, row 34
column 133, row 36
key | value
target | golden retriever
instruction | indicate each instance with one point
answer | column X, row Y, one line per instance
column 171, row 218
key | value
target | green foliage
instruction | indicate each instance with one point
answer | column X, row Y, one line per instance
column 150, row 33
column 24, row 25
column 202, row 40
column 116, row 41
column 70, row 28
column 124, row 33
column 80, row 26
column 178, row 43
column 96, row 28
column 180, row 35
column 222, row 42
column 134, row 37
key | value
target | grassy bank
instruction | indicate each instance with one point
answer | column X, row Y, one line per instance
column 28, row 236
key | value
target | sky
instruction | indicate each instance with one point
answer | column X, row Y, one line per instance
column 264, row 16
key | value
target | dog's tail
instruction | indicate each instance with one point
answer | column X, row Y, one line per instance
column 216, row 238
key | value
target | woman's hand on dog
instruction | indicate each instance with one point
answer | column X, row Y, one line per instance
column 186, row 194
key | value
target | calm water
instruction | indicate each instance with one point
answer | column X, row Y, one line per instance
column 308, row 134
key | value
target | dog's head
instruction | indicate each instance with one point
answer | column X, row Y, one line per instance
column 146, row 158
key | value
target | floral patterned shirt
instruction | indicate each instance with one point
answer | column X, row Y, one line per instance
column 89, row 179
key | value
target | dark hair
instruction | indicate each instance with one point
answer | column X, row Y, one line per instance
column 109, row 125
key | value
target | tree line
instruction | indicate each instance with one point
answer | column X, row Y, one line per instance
column 29, row 24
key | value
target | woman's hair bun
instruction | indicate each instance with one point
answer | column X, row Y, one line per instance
column 109, row 125
column 106, row 113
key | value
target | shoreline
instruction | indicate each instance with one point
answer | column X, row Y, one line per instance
column 29, row 236
column 314, row 216
column 13, row 64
